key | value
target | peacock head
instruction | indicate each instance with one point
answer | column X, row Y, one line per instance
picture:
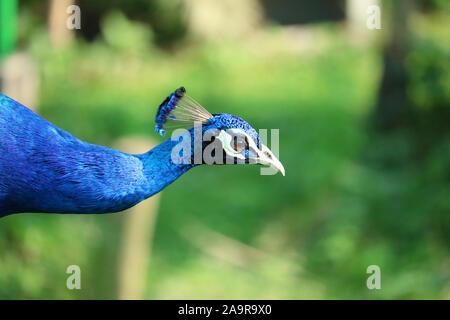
column 226, row 138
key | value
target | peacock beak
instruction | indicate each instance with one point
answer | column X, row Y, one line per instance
column 266, row 157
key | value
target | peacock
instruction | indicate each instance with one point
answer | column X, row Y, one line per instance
column 45, row 169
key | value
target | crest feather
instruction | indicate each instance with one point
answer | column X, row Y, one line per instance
column 181, row 108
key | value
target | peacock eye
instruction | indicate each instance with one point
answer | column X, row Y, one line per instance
column 240, row 143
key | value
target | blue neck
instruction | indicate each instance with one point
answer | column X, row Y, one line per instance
column 159, row 169
column 46, row 169
column 90, row 179
column 85, row 178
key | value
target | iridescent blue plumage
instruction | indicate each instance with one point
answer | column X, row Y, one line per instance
column 179, row 107
column 227, row 121
column 46, row 169
column 165, row 108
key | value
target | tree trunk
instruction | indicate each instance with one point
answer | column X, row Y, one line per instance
column 393, row 107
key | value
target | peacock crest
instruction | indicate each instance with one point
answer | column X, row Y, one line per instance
column 180, row 108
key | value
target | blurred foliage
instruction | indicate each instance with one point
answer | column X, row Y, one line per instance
column 429, row 63
column 165, row 17
column 350, row 199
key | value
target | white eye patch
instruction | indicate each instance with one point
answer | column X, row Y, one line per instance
column 235, row 141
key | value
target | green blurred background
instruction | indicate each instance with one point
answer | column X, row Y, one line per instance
column 364, row 121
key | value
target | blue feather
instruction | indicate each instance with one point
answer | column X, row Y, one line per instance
column 179, row 107
column 46, row 169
